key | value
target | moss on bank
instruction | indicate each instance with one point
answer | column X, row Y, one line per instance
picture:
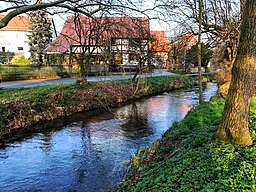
column 184, row 159
column 27, row 106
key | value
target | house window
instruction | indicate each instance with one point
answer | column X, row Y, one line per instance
column 3, row 49
column 133, row 57
column 125, row 41
column 135, row 42
column 117, row 58
column 20, row 48
column 116, row 41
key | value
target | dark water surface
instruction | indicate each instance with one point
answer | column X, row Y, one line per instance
column 90, row 151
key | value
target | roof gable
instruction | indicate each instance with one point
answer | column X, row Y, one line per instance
column 18, row 23
column 98, row 30
column 187, row 40
column 159, row 41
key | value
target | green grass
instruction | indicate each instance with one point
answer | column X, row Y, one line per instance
column 33, row 93
column 185, row 159
column 156, row 84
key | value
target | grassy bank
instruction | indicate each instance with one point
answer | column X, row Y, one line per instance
column 27, row 106
column 186, row 160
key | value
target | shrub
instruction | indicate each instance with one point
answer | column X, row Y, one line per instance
column 20, row 60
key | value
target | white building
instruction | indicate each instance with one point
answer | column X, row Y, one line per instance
column 14, row 37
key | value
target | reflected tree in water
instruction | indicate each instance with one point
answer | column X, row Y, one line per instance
column 136, row 119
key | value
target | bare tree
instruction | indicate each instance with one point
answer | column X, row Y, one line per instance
column 220, row 26
column 91, row 44
column 180, row 44
column 11, row 8
column 199, row 52
column 220, row 19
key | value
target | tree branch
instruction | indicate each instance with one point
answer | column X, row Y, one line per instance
column 26, row 8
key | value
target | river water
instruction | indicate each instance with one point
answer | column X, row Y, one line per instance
column 90, row 151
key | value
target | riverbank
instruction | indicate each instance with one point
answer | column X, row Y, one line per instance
column 23, row 107
column 184, row 159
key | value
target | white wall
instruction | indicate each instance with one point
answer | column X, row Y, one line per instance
column 12, row 40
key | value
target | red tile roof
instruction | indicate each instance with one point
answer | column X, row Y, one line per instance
column 98, row 30
column 18, row 23
column 159, row 41
column 188, row 40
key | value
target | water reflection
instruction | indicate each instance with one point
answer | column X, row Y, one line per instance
column 90, row 151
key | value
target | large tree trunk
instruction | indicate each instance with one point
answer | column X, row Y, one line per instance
column 242, row 2
column 234, row 125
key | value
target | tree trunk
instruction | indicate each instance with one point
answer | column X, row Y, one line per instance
column 199, row 53
column 242, row 2
column 234, row 125
column 83, row 74
column 83, row 71
column 1, row 76
column 40, row 60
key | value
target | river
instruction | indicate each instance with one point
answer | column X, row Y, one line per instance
column 90, row 151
